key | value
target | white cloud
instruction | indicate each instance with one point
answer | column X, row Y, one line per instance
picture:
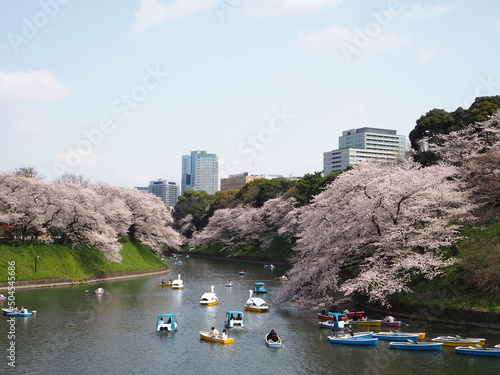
column 419, row 11
column 353, row 107
column 152, row 13
column 33, row 85
column 30, row 126
column 259, row 9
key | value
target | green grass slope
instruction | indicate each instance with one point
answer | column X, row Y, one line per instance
column 78, row 263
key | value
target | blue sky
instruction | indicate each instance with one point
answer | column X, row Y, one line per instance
column 118, row 91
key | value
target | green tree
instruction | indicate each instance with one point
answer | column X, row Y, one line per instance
column 429, row 126
column 483, row 108
column 310, row 185
column 257, row 192
column 198, row 204
column 438, row 122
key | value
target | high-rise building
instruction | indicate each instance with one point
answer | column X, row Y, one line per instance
column 200, row 172
column 168, row 191
column 364, row 143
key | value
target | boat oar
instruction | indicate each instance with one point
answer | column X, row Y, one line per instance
column 89, row 291
column 213, row 338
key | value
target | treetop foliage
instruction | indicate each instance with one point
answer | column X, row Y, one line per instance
column 437, row 122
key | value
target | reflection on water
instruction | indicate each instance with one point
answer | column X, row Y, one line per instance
column 81, row 333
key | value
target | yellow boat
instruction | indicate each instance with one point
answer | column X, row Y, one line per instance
column 256, row 304
column 209, row 299
column 458, row 341
column 370, row 322
column 178, row 283
column 204, row 335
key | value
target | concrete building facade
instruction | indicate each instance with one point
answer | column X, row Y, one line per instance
column 360, row 144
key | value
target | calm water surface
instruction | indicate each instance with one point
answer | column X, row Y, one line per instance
column 75, row 332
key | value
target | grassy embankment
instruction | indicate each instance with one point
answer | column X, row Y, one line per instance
column 78, row 263
column 473, row 283
column 279, row 250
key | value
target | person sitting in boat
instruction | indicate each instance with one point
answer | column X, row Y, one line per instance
column 272, row 336
column 15, row 309
column 214, row 332
column 24, row 309
column 161, row 324
column 163, row 281
column 389, row 319
column 169, row 281
column 238, row 317
column 224, row 334
column 346, row 311
column 364, row 318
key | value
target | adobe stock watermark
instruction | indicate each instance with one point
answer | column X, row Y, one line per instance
column 121, row 107
column 31, row 26
column 255, row 143
column 363, row 37
column 11, row 303
column 222, row 7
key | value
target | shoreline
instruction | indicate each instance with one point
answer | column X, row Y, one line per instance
column 438, row 314
column 50, row 283
column 244, row 258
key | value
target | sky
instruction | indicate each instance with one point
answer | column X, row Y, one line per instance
column 118, row 91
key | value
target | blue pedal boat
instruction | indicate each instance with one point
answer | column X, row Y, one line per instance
column 166, row 323
column 335, row 321
column 260, row 288
column 235, row 319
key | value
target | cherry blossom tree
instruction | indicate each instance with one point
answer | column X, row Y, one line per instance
column 95, row 215
column 372, row 229
column 244, row 224
column 475, row 150
column 150, row 221
column 82, row 221
column 25, row 204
